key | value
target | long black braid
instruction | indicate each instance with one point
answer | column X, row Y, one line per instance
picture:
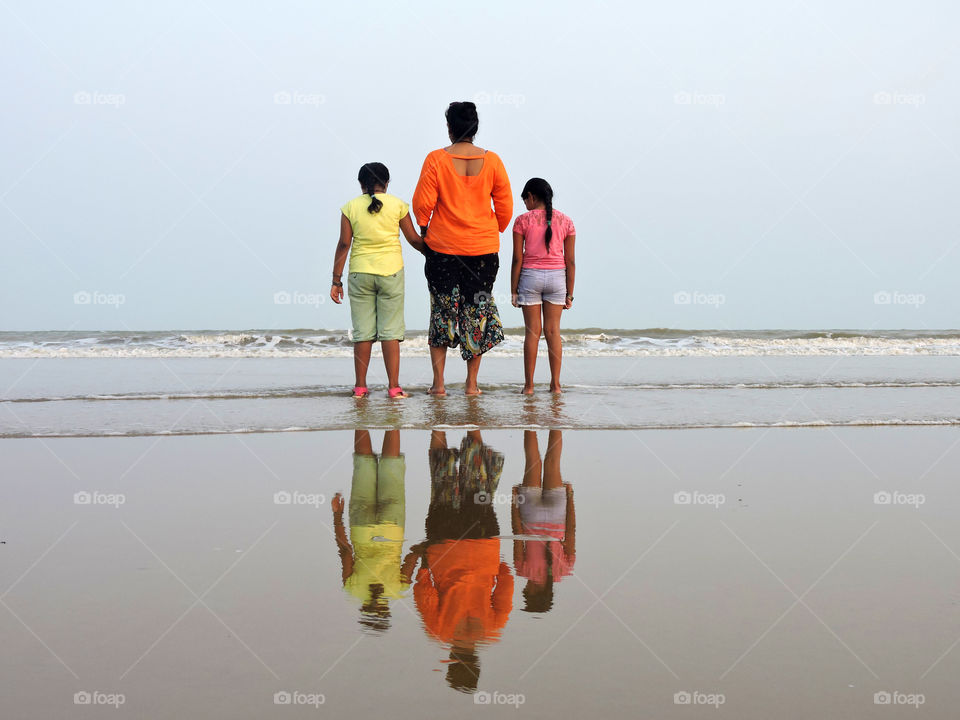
column 540, row 189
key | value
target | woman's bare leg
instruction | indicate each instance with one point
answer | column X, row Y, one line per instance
column 473, row 368
column 551, row 331
column 531, row 343
column 438, row 359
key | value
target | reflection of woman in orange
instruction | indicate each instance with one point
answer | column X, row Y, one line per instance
column 463, row 591
column 543, row 506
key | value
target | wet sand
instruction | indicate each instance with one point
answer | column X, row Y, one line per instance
column 775, row 584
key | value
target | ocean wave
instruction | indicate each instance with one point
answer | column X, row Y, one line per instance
column 583, row 342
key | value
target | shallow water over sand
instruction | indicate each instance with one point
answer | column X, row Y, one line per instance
column 94, row 397
column 670, row 573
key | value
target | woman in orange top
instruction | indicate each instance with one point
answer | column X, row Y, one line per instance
column 452, row 203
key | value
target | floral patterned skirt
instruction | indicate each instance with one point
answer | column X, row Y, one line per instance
column 462, row 309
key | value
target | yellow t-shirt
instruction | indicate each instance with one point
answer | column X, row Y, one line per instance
column 376, row 561
column 376, row 236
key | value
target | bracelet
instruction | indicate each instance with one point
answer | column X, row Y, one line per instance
column 337, row 283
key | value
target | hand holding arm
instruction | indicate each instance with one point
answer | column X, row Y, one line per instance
column 410, row 233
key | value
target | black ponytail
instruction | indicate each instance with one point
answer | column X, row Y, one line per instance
column 540, row 189
column 371, row 175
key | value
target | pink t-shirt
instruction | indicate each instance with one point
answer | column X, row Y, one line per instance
column 533, row 226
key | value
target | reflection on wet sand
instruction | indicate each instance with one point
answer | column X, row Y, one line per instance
column 543, row 506
column 463, row 591
column 370, row 558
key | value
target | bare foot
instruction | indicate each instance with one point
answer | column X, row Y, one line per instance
column 556, row 389
column 473, row 391
column 439, row 391
column 527, row 390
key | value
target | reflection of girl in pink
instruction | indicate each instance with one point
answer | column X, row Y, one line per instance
column 543, row 506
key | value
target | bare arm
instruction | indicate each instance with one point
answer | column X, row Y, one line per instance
column 340, row 258
column 515, row 268
column 570, row 533
column 425, row 196
column 502, row 197
column 516, row 527
column 411, row 234
column 340, row 533
column 569, row 242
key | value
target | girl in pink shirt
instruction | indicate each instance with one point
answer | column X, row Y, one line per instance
column 541, row 278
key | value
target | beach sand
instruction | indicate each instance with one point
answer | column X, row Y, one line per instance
column 782, row 588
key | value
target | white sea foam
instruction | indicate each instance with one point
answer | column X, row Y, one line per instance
column 578, row 343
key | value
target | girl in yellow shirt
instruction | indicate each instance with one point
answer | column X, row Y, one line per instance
column 370, row 227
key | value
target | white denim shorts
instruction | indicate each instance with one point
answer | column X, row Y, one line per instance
column 539, row 286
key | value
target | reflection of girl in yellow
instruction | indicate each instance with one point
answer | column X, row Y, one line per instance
column 372, row 570
column 543, row 507
column 463, row 591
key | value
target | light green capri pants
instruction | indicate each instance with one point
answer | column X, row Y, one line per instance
column 376, row 306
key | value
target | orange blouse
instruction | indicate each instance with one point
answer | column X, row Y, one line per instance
column 458, row 209
column 466, row 580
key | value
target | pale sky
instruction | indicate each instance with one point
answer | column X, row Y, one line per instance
column 776, row 165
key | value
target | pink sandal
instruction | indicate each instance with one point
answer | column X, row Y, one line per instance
column 360, row 392
column 397, row 392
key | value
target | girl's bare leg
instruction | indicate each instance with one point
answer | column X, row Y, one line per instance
column 391, row 443
column 531, row 343
column 551, row 331
column 391, row 361
column 361, row 361
column 551, row 461
column 532, row 466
